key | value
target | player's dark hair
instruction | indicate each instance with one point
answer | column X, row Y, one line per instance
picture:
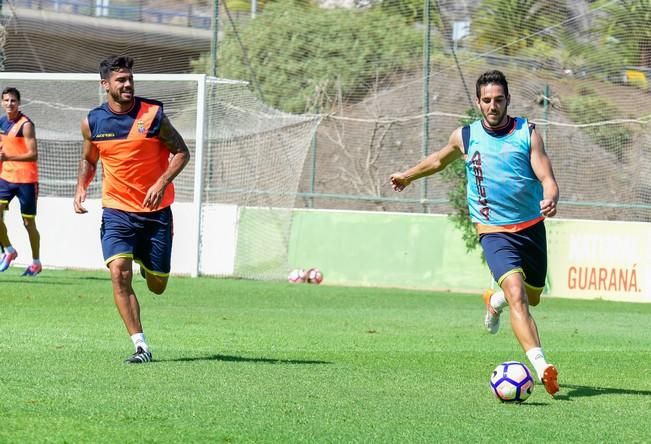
column 496, row 77
column 114, row 63
column 11, row 90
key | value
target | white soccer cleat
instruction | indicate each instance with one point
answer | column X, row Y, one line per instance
column 492, row 316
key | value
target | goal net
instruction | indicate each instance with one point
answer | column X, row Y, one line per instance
column 243, row 154
column 254, row 159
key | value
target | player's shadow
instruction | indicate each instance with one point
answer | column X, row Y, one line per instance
column 29, row 280
column 230, row 358
column 581, row 391
column 45, row 279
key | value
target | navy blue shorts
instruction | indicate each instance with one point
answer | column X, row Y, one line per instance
column 27, row 195
column 522, row 252
column 144, row 237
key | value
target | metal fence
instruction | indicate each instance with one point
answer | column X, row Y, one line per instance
column 189, row 15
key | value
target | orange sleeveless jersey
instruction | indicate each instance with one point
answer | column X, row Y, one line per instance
column 133, row 157
column 13, row 143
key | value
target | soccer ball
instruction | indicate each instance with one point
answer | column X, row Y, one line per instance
column 296, row 276
column 512, row 382
column 314, row 276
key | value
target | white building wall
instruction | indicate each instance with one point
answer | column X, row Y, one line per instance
column 70, row 240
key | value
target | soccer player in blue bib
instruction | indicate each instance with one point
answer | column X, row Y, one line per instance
column 511, row 190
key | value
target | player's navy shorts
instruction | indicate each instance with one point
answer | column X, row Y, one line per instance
column 27, row 195
column 522, row 252
column 144, row 237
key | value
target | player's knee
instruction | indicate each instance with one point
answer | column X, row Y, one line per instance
column 534, row 297
column 120, row 274
column 157, row 289
column 519, row 305
column 29, row 223
column 157, row 285
column 517, row 299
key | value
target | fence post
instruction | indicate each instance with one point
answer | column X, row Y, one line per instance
column 310, row 201
column 546, row 93
column 426, row 70
column 214, row 25
column 201, row 123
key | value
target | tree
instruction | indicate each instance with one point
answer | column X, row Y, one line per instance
column 629, row 22
column 514, row 25
column 455, row 174
column 300, row 53
column 411, row 9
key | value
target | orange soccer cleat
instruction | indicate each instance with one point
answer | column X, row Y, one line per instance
column 550, row 380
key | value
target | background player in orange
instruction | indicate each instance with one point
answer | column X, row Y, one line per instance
column 141, row 153
column 18, row 177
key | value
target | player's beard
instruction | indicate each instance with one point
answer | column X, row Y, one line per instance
column 495, row 120
column 117, row 97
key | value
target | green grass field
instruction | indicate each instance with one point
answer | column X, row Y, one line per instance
column 242, row 361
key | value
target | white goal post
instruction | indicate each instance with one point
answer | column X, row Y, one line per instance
column 230, row 213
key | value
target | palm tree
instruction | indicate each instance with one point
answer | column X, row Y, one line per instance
column 513, row 25
column 629, row 22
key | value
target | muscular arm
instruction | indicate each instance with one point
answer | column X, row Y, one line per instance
column 432, row 164
column 542, row 167
column 29, row 135
column 180, row 158
column 87, row 167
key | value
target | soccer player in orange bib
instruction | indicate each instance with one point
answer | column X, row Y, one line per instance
column 18, row 177
column 141, row 154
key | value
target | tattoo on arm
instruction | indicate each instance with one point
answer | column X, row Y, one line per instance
column 175, row 143
column 171, row 137
column 85, row 172
column 89, row 157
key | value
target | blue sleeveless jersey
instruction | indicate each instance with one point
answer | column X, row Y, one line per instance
column 502, row 187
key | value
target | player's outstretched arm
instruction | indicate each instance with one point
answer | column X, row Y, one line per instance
column 432, row 164
column 542, row 167
column 87, row 167
column 180, row 158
